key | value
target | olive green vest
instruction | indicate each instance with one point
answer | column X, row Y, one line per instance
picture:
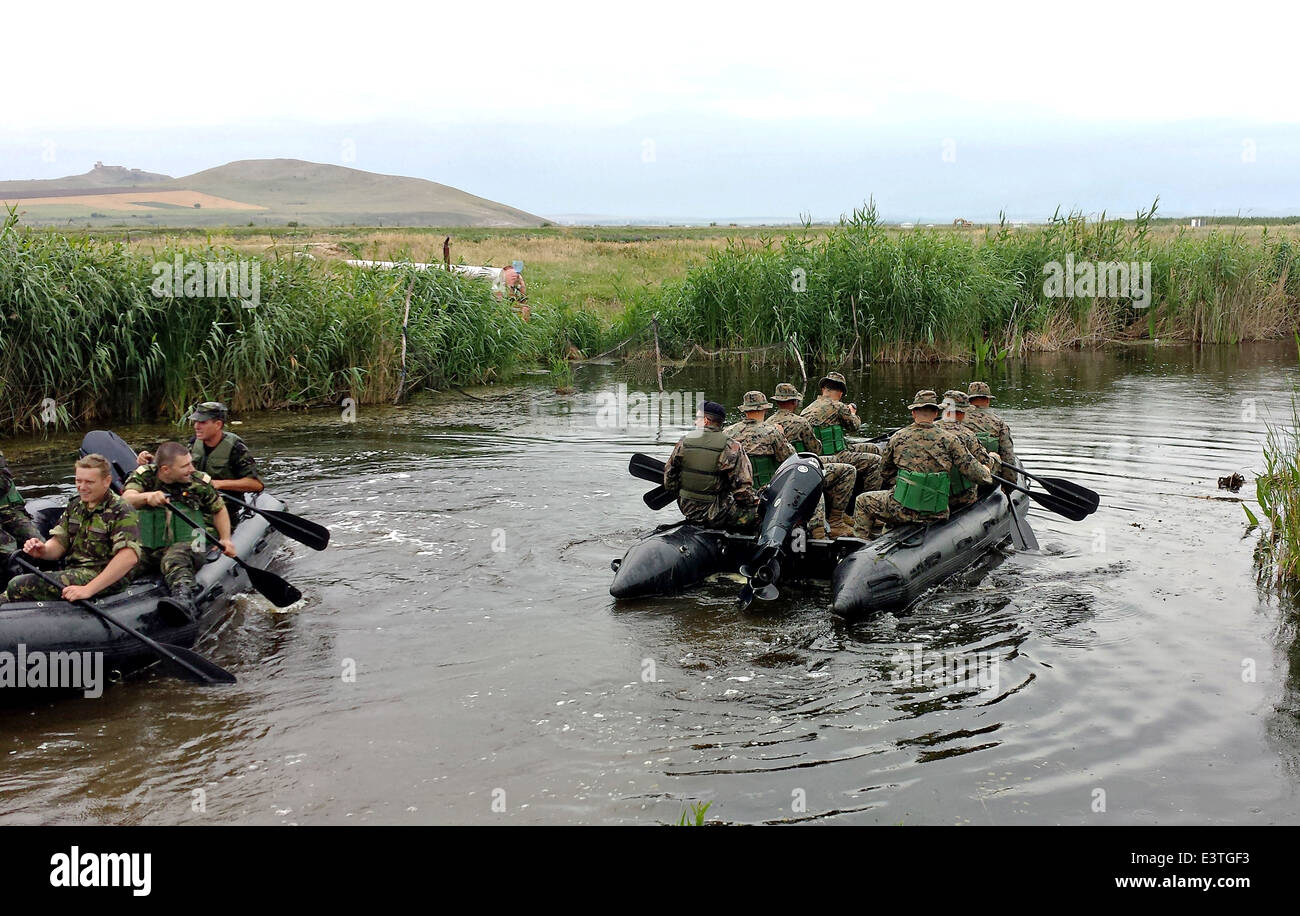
column 922, row 492
column 701, row 479
column 958, row 483
column 832, row 438
column 988, row 440
column 215, row 463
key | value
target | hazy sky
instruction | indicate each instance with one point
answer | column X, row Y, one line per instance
column 686, row 110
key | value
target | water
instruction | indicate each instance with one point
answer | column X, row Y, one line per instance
column 1140, row 669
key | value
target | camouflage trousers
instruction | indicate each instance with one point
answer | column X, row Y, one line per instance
column 880, row 506
column 31, row 587
column 963, row 499
column 726, row 514
column 16, row 527
column 865, row 461
column 177, row 563
column 837, row 491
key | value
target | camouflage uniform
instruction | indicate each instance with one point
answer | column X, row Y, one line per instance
column 984, row 422
column 16, row 526
column 865, row 456
column 837, row 487
column 736, row 504
column 198, row 499
column 91, row 538
column 923, row 448
column 967, row 438
column 761, row 438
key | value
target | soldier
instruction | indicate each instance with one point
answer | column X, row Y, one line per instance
column 170, row 545
column 837, row 487
column 921, row 456
column 16, row 526
column 98, row 535
column 831, row 419
column 961, row 490
column 764, row 442
column 711, row 475
column 992, row 431
column 221, row 455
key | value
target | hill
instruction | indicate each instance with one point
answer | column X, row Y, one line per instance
column 261, row 191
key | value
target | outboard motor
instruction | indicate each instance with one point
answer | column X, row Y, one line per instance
column 787, row 503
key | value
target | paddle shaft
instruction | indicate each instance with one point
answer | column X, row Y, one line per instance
column 172, row 654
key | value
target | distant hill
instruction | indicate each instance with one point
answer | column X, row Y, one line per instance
column 265, row 191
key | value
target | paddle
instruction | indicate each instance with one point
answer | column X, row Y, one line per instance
column 1022, row 536
column 652, row 469
column 182, row 662
column 315, row 536
column 1063, row 507
column 658, row 498
column 276, row 590
column 1064, row 489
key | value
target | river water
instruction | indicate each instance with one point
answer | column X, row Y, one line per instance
column 1133, row 669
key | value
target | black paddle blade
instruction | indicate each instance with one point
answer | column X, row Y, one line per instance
column 276, row 590
column 192, row 667
column 646, row 468
column 1062, row 507
column 1021, row 534
column 658, row 498
column 315, row 536
column 1072, row 492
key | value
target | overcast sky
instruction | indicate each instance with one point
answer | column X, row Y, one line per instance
column 696, row 110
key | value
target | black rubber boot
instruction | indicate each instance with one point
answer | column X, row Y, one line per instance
column 182, row 598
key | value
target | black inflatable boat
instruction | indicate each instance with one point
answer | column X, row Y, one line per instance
column 866, row 576
column 48, row 627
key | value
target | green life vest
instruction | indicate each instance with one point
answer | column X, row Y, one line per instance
column 161, row 527
column 764, row 467
column 958, row 483
column 701, row 479
column 215, row 463
column 922, row 492
column 988, row 440
column 832, row 438
column 10, row 495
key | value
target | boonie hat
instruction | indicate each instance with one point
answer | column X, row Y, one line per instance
column 787, row 392
column 833, row 379
column 980, row 390
column 209, row 410
column 754, row 400
column 925, row 398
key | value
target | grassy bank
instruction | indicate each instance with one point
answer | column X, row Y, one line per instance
column 927, row 295
column 81, row 327
column 1278, row 492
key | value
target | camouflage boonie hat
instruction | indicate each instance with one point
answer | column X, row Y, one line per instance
column 958, row 399
column 980, row 390
column 787, row 392
column 833, row 379
column 925, row 398
column 754, row 400
column 209, row 410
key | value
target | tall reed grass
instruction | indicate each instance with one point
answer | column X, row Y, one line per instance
column 80, row 326
column 926, row 294
column 1277, row 491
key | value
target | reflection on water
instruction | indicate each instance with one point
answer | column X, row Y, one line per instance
column 496, row 681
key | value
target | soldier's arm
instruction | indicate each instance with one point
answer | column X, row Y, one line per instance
column 1006, row 448
column 735, row 466
column 134, row 493
column 810, row 441
column 673, row 470
column 783, row 447
column 245, row 467
column 57, row 544
column 221, row 521
column 848, row 419
column 965, row 461
column 117, row 567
